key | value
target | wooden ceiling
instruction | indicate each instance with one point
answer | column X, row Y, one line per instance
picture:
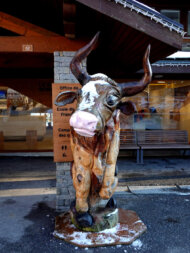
column 124, row 36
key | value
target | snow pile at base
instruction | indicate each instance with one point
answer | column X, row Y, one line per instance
column 137, row 244
column 107, row 236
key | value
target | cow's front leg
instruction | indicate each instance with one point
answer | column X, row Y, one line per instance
column 110, row 181
column 81, row 181
column 81, row 174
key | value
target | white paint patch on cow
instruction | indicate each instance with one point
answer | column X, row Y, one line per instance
column 89, row 101
column 99, row 75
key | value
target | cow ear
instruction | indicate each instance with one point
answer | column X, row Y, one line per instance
column 127, row 107
column 64, row 98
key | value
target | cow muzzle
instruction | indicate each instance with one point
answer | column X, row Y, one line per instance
column 84, row 123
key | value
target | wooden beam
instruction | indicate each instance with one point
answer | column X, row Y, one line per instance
column 22, row 27
column 135, row 20
column 25, row 60
column 39, row 44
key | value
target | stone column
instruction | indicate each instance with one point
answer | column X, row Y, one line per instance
column 64, row 185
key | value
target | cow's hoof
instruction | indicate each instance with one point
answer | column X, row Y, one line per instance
column 80, row 219
column 112, row 203
column 84, row 220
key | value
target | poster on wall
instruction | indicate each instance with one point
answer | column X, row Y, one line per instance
column 61, row 127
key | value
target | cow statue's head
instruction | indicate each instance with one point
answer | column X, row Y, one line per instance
column 100, row 96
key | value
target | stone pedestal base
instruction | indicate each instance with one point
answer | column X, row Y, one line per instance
column 129, row 228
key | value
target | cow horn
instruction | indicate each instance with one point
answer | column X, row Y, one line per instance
column 75, row 65
column 132, row 88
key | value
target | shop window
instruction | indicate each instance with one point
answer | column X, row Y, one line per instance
column 25, row 124
column 164, row 105
column 172, row 14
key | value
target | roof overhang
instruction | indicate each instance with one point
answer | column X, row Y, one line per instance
column 126, row 30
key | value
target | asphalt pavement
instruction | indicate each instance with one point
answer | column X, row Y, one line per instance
column 27, row 211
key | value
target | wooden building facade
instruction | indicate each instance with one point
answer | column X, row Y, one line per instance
column 36, row 44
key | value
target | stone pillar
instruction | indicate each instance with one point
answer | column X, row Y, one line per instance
column 64, row 185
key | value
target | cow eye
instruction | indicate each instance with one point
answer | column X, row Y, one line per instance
column 111, row 100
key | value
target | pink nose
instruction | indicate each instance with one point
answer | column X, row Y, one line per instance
column 84, row 120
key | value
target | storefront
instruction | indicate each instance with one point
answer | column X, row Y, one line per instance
column 27, row 63
column 164, row 105
column 26, row 125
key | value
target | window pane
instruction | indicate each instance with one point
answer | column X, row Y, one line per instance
column 172, row 14
column 25, row 124
column 163, row 105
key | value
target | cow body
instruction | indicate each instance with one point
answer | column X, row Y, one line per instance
column 95, row 131
column 95, row 143
column 94, row 164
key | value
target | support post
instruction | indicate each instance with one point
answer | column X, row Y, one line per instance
column 64, row 185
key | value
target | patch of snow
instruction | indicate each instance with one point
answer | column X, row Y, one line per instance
column 125, row 228
column 138, row 221
column 137, row 244
column 180, row 54
column 111, row 230
column 59, row 235
column 107, row 236
column 107, row 239
column 118, row 246
column 123, row 239
column 114, row 212
column 86, row 248
column 148, row 7
column 81, row 238
column 186, row 199
column 71, row 226
column 153, row 15
column 132, row 231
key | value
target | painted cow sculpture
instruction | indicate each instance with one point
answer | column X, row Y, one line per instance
column 95, row 129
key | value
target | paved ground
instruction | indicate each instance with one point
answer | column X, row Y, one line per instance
column 27, row 209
